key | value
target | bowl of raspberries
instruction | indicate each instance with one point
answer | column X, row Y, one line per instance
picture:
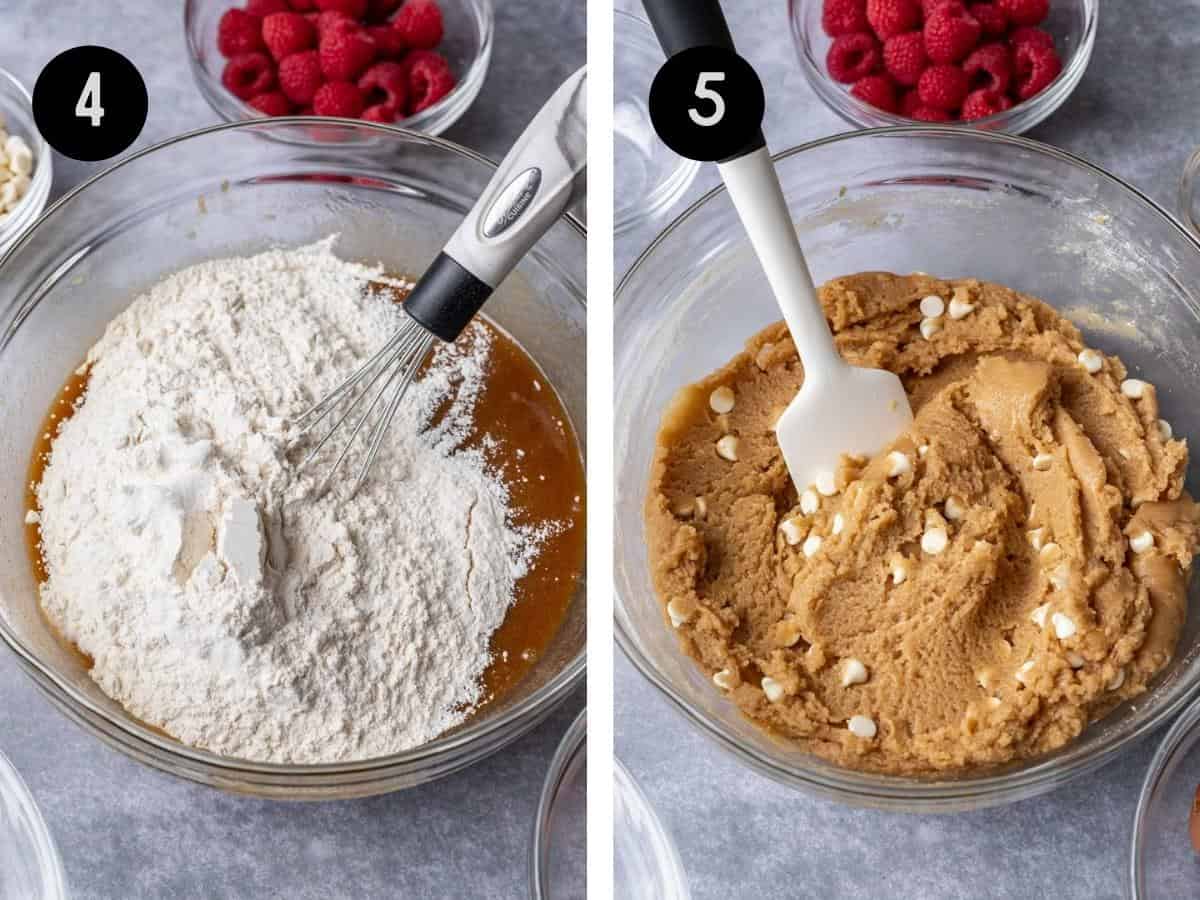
column 1001, row 65
column 414, row 63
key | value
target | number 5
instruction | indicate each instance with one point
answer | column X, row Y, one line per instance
column 88, row 106
column 704, row 92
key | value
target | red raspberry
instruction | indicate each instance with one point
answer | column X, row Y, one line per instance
column 264, row 8
column 385, row 84
column 355, row 9
column 929, row 114
column 272, row 104
column 1035, row 37
column 381, row 10
column 840, row 17
column 853, row 56
column 300, row 76
column 991, row 17
column 950, row 34
column 381, row 112
column 1035, row 69
column 287, row 33
column 239, row 32
column 877, row 90
column 1025, row 12
column 909, row 101
column 983, row 103
column 990, row 68
column 389, row 43
column 429, row 80
column 302, row 5
column 327, row 22
column 904, row 57
column 892, row 17
column 420, row 24
column 345, row 53
column 338, row 98
column 942, row 87
column 249, row 74
column 928, row 6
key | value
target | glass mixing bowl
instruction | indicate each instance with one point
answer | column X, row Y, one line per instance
column 395, row 197
column 950, row 201
column 558, row 863
column 645, row 862
column 30, row 868
column 16, row 110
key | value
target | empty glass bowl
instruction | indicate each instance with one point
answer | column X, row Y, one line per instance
column 16, row 107
column 558, row 865
column 393, row 196
column 29, row 865
column 954, row 202
column 646, row 863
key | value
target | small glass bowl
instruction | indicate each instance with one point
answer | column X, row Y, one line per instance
column 17, row 108
column 1072, row 22
column 30, row 867
column 558, row 863
column 646, row 863
column 468, row 46
column 652, row 178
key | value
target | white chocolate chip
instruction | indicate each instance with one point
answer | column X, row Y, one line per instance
column 773, row 689
column 1133, row 388
column 1038, row 616
column 1060, row 577
column 930, row 327
column 934, row 540
column 1075, row 661
column 932, row 306
column 1022, row 674
column 922, row 450
column 1141, row 542
column 701, row 508
column 1043, row 461
column 960, row 309
column 1117, row 681
column 1049, row 551
column 685, row 508
column 812, row 545
column 1164, row 429
column 760, row 358
column 854, row 672
column 1035, row 538
column 727, row 448
column 898, row 464
column 1064, row 626
column 792, row 533
column 953, row 509
column 862, row 726
column 899, row 571
column 994, row 702
column 827, row 484
column 721, row 400
column 839, row 523
column 678, row 616
column 810, row 502
column 1092, row 361
column 723, row 679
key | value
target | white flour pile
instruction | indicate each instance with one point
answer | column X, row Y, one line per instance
column 222, row 599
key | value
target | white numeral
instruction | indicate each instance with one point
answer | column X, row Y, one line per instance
column 704, row 92
column 88, row 106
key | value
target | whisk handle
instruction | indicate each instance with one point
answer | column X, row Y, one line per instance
column 539, row 179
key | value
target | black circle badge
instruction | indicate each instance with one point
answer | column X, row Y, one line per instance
column 90, row 103
column 706, row 103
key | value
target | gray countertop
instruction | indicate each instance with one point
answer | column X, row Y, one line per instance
column 126, row 831
column 741, row 835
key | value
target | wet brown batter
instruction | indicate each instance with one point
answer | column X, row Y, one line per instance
column 1006, row 572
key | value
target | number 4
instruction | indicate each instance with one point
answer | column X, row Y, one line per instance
column 704, row 92
column 88, row 106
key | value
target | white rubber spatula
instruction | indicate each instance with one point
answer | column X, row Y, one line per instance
column 840, row 408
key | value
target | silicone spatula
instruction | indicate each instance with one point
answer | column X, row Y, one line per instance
column 840, row 409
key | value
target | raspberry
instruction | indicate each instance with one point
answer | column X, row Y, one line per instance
column 892, row 17
column 338, row 98
column 983, row 103
column 853, row 56
column 1035, row 69
column 950, row 34
column 877, row 90
column 287, row 33
column 990, row 68
column 840, row 17
column 991, row 17
column 381, row 10
column 355, row 9
column 302, row 5
column 300, row 76
column 272, row 104
column 904, row 57
column 345, row 53
column 385, row 84
column 1033, row 36
column 249, row 74
column 327, row 22
column 942, row 87
column 389, row 43
column 928, row 6
column 929, row 114
column 909, row 101
column 239, row 32
column 381, row 112
column 429, row 80
column 420, row 24
column 264, row 8
column 1025, row 12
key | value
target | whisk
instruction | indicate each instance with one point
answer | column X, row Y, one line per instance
column 539, row 179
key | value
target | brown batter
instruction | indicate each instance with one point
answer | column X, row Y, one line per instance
column 1060, row 587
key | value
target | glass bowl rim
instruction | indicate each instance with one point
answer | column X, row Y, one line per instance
column 50, row 867
column 573, row 741
column 848, row 785
column 543, row 699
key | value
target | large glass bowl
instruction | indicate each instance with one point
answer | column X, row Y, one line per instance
column 394, row 197
column 30, row 868
column 558, row 861
column 646, row 865
column 952, row 202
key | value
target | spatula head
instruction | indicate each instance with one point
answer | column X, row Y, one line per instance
column 849, row 410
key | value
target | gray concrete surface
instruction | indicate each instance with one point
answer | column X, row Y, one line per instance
column 128, row 832
column 741, row 835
